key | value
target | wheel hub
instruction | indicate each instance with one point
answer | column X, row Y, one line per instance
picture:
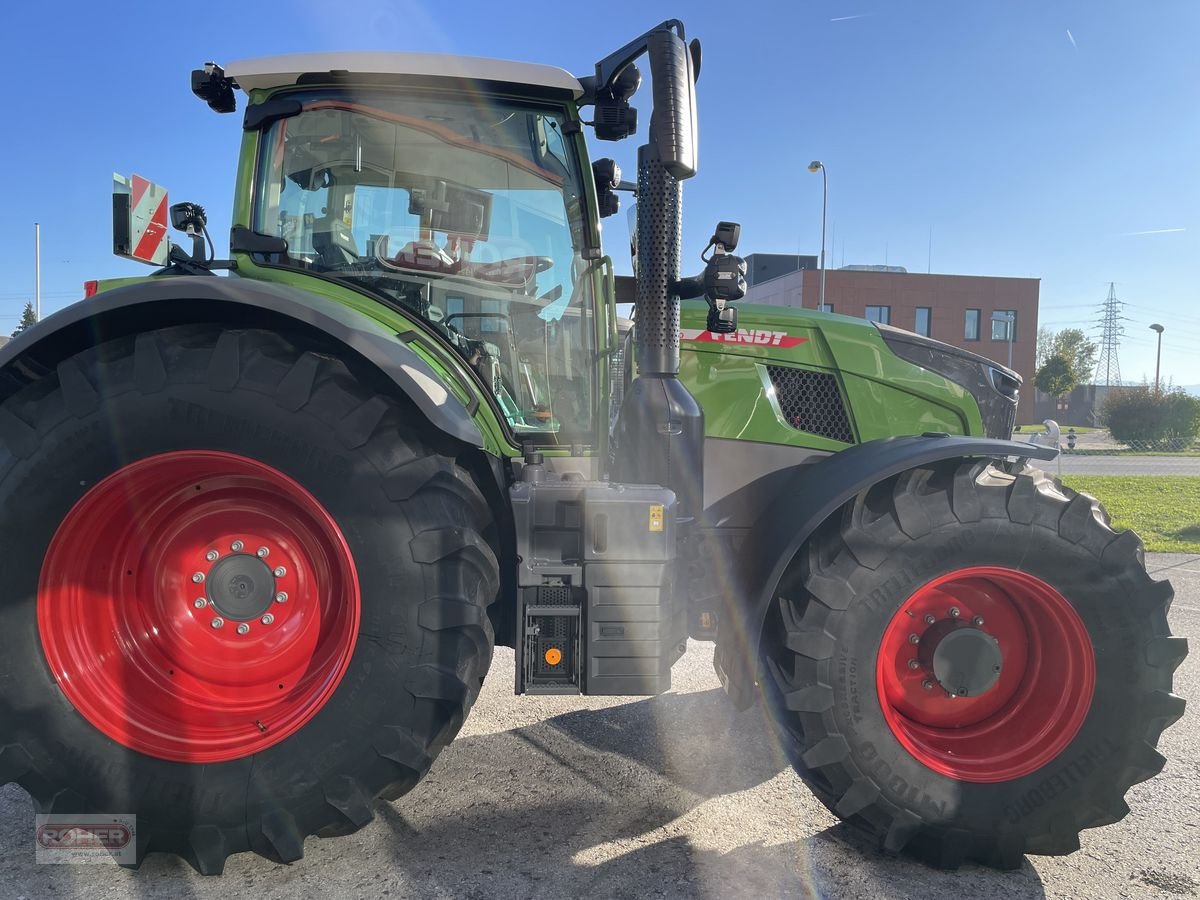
column 966, row 661
column 241, row 587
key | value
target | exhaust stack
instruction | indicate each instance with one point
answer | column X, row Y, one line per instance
column 660, row 433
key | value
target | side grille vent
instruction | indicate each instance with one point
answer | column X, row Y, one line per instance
column 811, row 402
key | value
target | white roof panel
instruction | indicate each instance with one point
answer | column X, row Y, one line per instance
column 277, row 71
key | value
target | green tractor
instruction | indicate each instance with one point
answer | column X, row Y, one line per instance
column 263, row 531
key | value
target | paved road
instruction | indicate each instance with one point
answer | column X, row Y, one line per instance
column 1127, row 465
column 670, row 797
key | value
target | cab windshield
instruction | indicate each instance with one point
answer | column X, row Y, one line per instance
column 465, row 213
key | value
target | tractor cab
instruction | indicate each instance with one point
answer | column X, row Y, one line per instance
column 466, row 211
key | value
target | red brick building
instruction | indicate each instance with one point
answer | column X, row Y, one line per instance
column 957, row 309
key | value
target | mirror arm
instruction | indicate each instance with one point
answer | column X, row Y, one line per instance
column 610, row 67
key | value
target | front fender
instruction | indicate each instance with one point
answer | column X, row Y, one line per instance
column 161, row 303
column 811, row 495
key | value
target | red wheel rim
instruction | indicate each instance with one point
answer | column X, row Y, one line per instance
column 142, row 566
column 1039, row 697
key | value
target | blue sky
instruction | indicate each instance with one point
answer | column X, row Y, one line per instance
column 1035, row 139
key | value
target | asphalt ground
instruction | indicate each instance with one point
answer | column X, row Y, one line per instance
column 675, row 796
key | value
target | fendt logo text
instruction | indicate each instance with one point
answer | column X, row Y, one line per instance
column 754, row 336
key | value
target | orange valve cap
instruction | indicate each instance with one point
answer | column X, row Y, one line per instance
column 553, row 656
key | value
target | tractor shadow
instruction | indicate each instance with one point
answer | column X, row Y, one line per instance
column 639, row 800
column 1190, row 533
column 674, row 796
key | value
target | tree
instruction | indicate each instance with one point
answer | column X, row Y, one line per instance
column 1152, row 420
column 1073, row 345
column 1045, row 346
column 28, row 317
column 1056, row 377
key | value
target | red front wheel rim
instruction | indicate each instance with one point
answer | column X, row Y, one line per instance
column 198, row 606
column 1025, row 653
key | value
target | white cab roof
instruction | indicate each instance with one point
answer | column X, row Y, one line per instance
column 277, row 71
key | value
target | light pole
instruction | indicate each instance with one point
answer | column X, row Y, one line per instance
column 37, row 271
column 1010, row 320
column 814, row 166
column 1157, row 357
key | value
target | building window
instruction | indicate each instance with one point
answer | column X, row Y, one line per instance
column 880, row 314
column 924, row 319
column 971, row 329
column 488, row 309
column 1004, row 324
column 824, row 307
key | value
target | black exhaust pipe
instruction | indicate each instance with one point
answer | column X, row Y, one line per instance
column 660, row 433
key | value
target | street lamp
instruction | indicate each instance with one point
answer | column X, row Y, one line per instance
column 1158, row 356
column 814, row 166
column 1010, row 320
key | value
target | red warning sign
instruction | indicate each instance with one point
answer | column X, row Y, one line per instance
column 148, row 209
column 140, row 220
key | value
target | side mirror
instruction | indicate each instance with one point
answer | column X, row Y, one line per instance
column 673, row 122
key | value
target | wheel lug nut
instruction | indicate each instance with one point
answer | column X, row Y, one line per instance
column 954, row 612
column 929, row 619
column 198, row 577
column 914, row 639
column 218, row 622
column 280, row 571
column 978, row 620
column 211, row 555
column 236, row 546
column 263, row 552
column 914, row 664
column 267, row 619
column 927, row 684
column 200, row 603
column 281, row 597
column 243, row 628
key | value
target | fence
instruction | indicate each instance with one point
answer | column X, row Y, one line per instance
column 1148, row 488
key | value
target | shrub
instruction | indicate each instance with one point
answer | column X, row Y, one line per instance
column 1156, row 420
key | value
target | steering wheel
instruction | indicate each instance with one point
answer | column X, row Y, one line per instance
column 515, row 271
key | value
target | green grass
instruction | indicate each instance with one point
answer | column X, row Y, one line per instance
column 1079, row 429
column 1163, row 509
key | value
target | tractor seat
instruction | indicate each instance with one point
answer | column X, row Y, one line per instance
column 334, row 243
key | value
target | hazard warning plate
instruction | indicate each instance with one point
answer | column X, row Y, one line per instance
column 140, row 220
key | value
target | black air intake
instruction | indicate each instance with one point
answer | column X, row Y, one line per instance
column 811, row 402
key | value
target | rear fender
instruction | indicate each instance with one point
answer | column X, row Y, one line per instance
column 812, row 494
column 161, row 303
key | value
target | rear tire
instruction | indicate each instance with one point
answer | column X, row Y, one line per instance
column 416, row 529
column 880, row 741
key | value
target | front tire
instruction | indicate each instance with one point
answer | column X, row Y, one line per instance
column 970, row 664
column 244, row 593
